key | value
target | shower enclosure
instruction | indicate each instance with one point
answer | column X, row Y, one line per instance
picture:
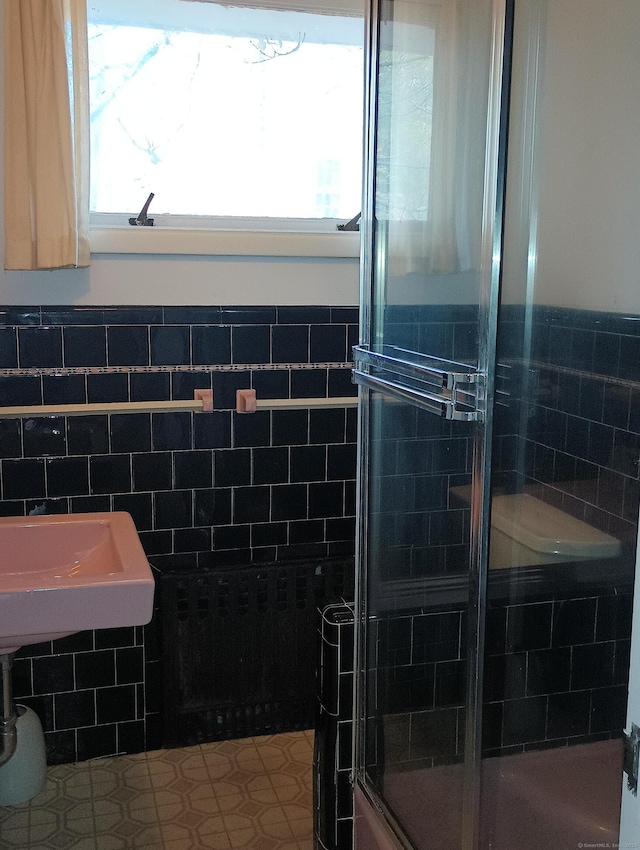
column 499, row 367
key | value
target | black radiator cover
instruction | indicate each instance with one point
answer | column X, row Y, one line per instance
column 239, row 647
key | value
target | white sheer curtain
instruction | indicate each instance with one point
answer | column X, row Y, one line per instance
column 46, row 130
column 460, row 88
column 436, row 159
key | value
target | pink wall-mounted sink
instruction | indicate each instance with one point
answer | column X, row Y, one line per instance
column 64, row 573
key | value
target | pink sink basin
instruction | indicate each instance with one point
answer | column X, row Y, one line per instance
column 64, row 573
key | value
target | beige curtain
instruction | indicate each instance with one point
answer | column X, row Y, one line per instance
column 46, row 128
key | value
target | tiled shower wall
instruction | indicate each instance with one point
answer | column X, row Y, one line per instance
column 582, row 408
column 203, row 489
column 421, row 456
column 556, row 674
column 566, row 671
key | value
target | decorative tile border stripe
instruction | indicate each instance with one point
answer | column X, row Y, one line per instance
column 111, row 370
column 581, row 373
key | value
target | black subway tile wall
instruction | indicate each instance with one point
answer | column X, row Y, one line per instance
column 333, row 794
column 205, row 490
column 220, row 489
column 580, row 398
column 583, row 414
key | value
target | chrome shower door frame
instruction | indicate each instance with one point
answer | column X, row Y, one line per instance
column 373, row 262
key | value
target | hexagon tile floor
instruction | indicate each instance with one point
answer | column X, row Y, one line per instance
column 254, row 793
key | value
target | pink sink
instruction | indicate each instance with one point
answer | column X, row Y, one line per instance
column 64, row 573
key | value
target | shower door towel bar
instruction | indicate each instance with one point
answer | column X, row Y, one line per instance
column 443, row 387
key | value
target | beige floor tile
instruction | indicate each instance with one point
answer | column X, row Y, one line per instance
column 120, row 795
column 252, row 794
column 166, row 798
column 73, row 811
column 144, row 800
column 205, row 805
column 16, row 819
column 294, row 811
column 216, row 841
column 79, row 793
column 280, row 830
column 51, row 791
column 104, row 806
column 276, row 762
column 87, row 826
column 235, row 821
column 7, row 812
column 287, row 793
column 170, row 813
column 263, row 842
column 106, row 842
column 259, row 783
column 200, row 790
column 271, row 814
column 224, row 787
column 302, row 828
column 160, row 845
column 198, row 774
column 120, row 765
column 250, row 766
column 142, row 817
column 151, row 835
column 270, row 750
column 157, row 765
column 14, row 837
column 301, row 744
column 230, row 802
column 38, row 816
column 242, row 837
column 86, row 843
column 220, row 770
column 212, row 754
column 265, row 796
column 230, row 748
column 211, row 825
column 44, row 831
column 278, row 779
column 170, row 780
column 247, row 753
column 174, row 831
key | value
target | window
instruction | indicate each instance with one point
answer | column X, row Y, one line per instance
column 226, row 113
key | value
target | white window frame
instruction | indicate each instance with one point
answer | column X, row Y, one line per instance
column 111, row 233
column 241, row 241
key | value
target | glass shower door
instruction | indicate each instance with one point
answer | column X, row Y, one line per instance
column 431, row 236
column 565, row 485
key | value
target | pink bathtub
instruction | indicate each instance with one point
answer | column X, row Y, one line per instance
column 553, row 799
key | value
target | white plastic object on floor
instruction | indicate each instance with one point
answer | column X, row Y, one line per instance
column 23, row 776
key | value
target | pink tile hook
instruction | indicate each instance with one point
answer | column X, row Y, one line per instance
column 246, row 401
column 206, row 397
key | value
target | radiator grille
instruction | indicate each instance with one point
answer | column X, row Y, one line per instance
column 239, row 648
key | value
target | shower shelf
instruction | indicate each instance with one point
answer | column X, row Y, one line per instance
column 443, row 387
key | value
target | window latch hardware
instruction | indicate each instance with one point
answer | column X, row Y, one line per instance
column 631, row 760
column 142, row 220
column 352, row 224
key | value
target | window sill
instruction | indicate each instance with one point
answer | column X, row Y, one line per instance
column 229, row 243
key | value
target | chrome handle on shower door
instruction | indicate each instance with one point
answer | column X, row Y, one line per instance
column 442, row 387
